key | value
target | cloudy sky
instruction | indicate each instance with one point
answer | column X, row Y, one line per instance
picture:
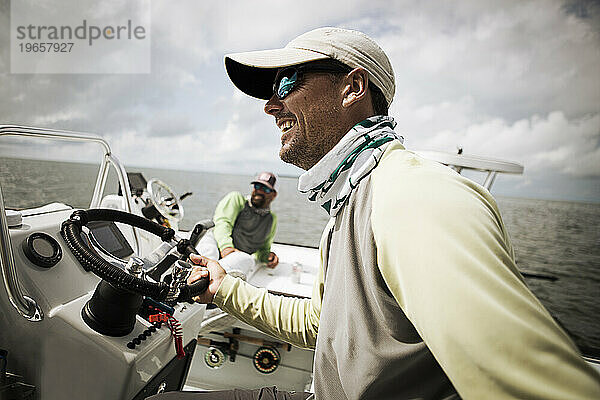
column 515, row 80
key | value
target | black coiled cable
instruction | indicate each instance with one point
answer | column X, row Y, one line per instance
column 71, row 232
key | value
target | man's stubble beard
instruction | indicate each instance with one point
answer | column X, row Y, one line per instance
column 304, row 154
column 259, row 203
column 324, row 135
column 295, row 153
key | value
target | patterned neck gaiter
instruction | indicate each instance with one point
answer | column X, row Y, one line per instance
column 332, row 179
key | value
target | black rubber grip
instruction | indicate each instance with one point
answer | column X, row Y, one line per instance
column 109, row 214
column 200, row 228
column 188, row 292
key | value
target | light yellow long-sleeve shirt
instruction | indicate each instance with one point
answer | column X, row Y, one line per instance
column 446, row 259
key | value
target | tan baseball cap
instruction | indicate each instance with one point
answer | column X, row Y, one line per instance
column 253, row 72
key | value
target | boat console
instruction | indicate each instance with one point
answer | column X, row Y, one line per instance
column 85, row 314
column 94, row 338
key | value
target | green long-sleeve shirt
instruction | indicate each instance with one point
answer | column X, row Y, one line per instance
column 252, row 233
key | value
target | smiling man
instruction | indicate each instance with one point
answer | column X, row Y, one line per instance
column 244, row 224
column 418, row 295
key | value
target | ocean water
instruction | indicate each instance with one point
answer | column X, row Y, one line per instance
column 552, row 238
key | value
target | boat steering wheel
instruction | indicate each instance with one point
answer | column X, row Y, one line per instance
column 166, row 202
column 71, row 232
column 114, row 305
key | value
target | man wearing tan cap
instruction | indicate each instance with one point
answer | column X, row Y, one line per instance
column 418, row 295
column 243, row 226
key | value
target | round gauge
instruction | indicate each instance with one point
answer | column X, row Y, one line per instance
column 266, row 359
column 42, row 250
column 214, row 358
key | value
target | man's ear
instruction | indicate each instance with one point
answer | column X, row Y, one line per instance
column 356, row 84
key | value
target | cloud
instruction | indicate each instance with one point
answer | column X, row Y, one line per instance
column 512, row 79
column 548, row 144
column 515, row 59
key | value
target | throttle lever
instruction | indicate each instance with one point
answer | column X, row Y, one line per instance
column 185, row 248
column 199, row 231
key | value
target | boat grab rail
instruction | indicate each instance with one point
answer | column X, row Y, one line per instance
column 460, row 162
column 25, row 305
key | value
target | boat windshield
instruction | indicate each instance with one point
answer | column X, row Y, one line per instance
column 30, row 183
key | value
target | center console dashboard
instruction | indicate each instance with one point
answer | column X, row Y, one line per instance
column 61, row 355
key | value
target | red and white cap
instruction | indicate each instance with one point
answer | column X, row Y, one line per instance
column 266, row 178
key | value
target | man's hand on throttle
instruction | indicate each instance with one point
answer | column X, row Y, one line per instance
column 272, row 260
column 206, row 268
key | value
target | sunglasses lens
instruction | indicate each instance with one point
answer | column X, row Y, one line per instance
column 258, row 186
column 287, row 81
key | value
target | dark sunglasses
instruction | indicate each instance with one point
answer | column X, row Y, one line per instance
column 260, row 186
column 288, row 78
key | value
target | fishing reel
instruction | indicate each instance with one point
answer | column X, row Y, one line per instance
column 125, row 285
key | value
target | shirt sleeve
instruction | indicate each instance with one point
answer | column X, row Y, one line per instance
column 293, row 320
column 445, row 255
column 226, row 213
column 262, row 253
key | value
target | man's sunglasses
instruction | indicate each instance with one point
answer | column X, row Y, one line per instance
column 287, row 79
column 260, row 186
